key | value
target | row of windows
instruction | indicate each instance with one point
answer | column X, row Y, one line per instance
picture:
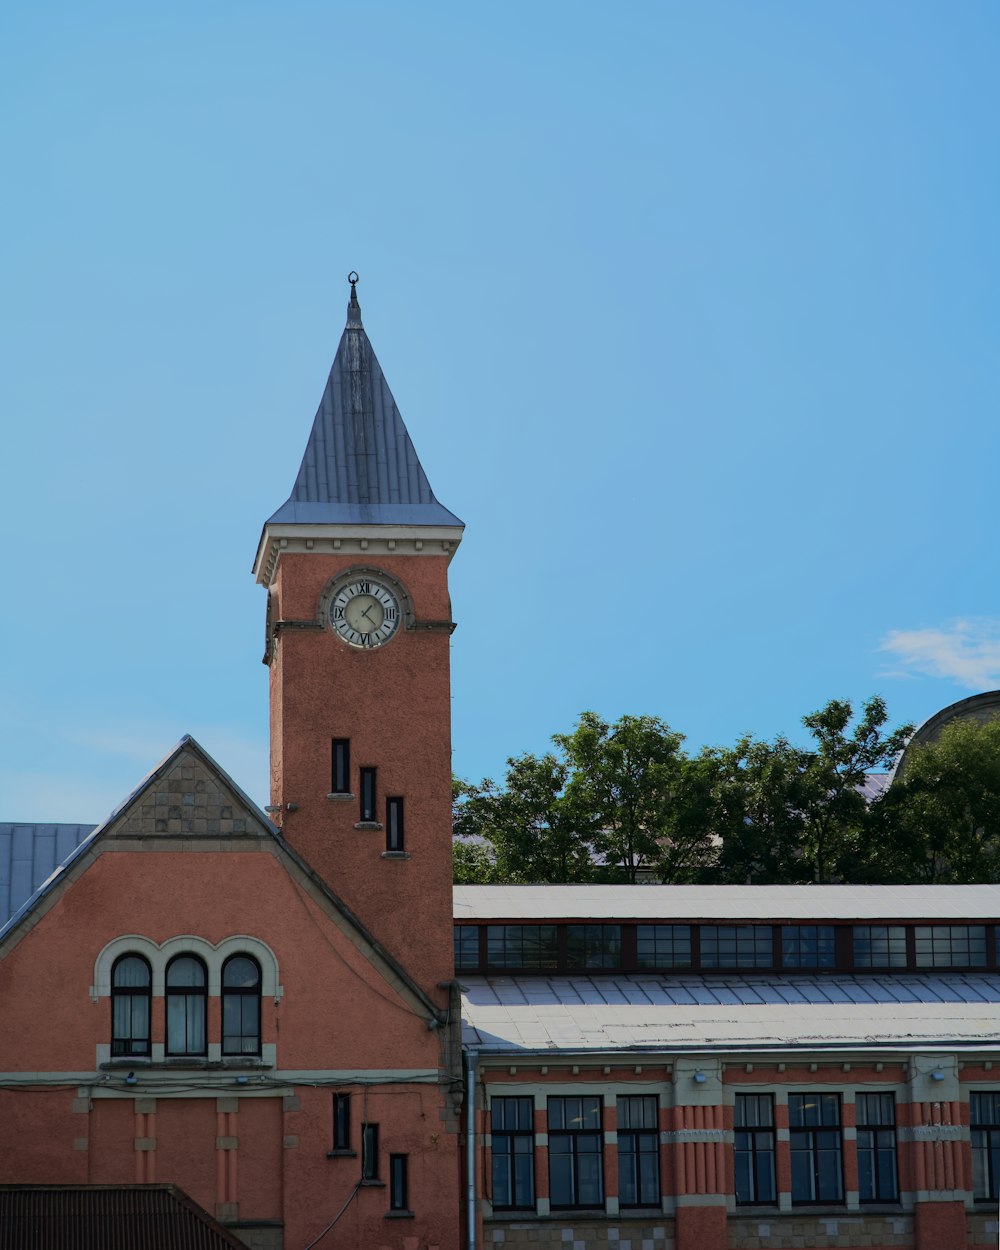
column 186, row 1000
column 594, row 947
column 340, row 783
column 370, row 1159
column 816, row 1149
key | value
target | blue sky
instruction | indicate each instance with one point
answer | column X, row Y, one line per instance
column 690, row 308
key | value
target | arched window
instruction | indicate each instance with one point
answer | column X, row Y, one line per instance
column 131, row 988
column 241, row 1006
column 187, row 987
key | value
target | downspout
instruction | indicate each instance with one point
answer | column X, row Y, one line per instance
column 470, row 1143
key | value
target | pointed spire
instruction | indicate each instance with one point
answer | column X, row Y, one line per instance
column 360, row 466
column 353, row 307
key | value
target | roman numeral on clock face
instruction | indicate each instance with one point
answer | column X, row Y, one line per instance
column 365, row 613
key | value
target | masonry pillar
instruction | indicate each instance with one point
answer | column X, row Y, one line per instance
column 936, row 1155
column 697, row 1141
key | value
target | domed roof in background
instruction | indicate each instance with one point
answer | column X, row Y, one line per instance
column 978, row 707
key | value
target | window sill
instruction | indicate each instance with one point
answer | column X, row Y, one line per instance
column 399, row 1215
column 395, row 854
column 341, row 798
column 341, row 1154
column 371, row 825
column 243, row 1063
column 372, row 1182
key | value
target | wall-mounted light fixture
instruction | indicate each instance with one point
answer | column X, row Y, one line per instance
column 131, row 1079
column 937, row 1075
column 700, row 1078
column 242, row 1080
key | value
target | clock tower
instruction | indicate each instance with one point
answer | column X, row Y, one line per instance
column 355, row 565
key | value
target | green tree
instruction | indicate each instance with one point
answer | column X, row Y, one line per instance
column 530, row 824
column 939, row 821
column 643, row 803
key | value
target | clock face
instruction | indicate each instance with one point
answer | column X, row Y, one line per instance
column 365, row 613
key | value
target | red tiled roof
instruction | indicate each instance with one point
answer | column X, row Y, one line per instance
column 107, row 1217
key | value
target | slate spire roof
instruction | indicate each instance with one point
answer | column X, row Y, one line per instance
column 360, row 467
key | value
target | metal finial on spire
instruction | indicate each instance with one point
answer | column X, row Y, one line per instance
column 353, row 307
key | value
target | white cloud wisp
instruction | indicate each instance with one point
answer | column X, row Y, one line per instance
column 966, row 652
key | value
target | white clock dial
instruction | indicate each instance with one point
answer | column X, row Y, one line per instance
column 365, row 613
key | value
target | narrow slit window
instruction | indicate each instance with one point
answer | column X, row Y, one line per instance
column 397, row 1183
column 394, row 825
column 341, row 779
column 342, row 1121
column 369, row 1152
column 368, row 795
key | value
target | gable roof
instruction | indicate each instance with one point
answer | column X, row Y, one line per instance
column 186, row 799
column 360, row 466
column 103, row 1217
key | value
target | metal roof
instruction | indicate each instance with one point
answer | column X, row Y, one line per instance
column 726, row 902
column 360, row 466
column 580, row 1013
column 29, row 855
column 107, row 1217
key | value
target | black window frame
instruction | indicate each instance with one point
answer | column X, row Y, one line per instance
column 593, row 946
column 809, row 1141
column 466, row 943
column 663, row 946
column 636, row 1142
column 752, row 945
column 398, row 1183
column 538, row 940
column 797, row 941
column 128, row 1043
column 340, row 766
column 368, row 795
column 245, row 995
column 369, row 1152
column 876, row 1141
column 577, row 1142
column 341, row 1108
column 889, row 938
column 755, row 1140
column 984, row 1132
column 192, row 994
column 395, row 824
column 512, row 1138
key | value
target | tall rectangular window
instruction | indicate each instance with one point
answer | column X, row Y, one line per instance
column 754, row 1140
column 815, row 1139
column 638, row 1151
column 341, row 760
column 593, row 946
column 879, row 946
column 342, row 1121
column 576, row 1162
column 663, row 945
column 512, row 1143
column 531, row 946
column 950, row 945
column 876, row 1121
column 398, row 1197
column 736, row 946
column 369, row 1152
column 807, row 946
column 394, row 824
column 984, row 1109
column 368, row 795
column 466, row 946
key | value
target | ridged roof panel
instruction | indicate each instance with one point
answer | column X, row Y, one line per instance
column 29, row 855
column 360, row 466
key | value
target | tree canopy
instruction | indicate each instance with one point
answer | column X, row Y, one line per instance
column 626, row 802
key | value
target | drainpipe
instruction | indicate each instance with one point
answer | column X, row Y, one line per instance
column 470, row 1143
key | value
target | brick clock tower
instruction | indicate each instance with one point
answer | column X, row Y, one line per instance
column 355, row 564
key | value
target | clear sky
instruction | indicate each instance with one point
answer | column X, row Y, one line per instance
column 691, row 310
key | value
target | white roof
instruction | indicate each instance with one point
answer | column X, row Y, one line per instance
column 523, row 903
column 515, row 1014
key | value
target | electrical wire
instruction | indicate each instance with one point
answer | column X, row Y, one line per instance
column 350, row 1199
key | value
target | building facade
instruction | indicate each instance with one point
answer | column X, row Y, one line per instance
column 292, row 1018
